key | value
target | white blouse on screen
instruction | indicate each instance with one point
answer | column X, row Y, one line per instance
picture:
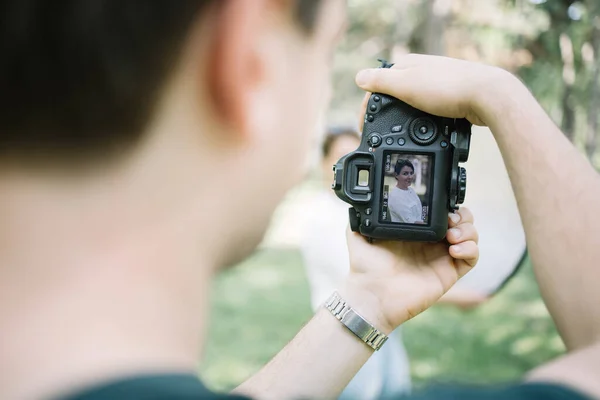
column 405, row 206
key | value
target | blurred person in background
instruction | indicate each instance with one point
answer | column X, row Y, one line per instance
column 325, row 254
column 120, row 122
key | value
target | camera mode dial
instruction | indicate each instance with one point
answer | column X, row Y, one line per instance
column 423, row 131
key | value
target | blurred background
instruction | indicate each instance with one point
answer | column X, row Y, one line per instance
column 554, row 47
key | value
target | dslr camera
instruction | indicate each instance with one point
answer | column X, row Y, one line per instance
column 405, row 176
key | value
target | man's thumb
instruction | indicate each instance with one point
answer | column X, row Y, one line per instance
column 381, row 80
column 365, row 78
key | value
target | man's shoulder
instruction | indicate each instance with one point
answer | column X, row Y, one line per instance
column 152, row 387
column 188, row 387
column 528, row 391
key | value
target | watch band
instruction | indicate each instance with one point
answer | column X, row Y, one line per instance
column 355, row 322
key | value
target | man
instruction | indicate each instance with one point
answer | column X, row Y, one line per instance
column 120, row 125
column 123, row 125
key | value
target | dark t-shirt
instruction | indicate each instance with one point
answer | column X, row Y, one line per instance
column 188, row 387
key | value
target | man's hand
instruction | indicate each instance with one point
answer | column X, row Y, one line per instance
column 551, row 180
column 440, row 85
column 391, row 282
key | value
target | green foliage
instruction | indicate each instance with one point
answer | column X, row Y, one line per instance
column 258, row 307
column 497, row 342
column 568, row 41
column 523, row 36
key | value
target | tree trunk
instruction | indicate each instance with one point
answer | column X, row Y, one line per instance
column 568, row 108
column 428, row 37
column 591, row 142
column 439, row 13
column 399, row 38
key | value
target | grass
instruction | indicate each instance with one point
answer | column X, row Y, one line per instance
column 260, row 305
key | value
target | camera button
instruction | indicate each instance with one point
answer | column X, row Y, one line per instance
column 375, row 140
column 444, row 144
column 401, row 141
column 373, row 107
column 370, row 118
column 376, row 99
column 396, row 128
column 369, row 211
column 389, row 141
column 367, row 223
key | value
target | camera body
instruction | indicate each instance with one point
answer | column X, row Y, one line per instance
column 405, row 176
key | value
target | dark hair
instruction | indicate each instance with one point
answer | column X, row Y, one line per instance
column 401, row 163
column 333, row 134
column 306, row 13
column 79, row 79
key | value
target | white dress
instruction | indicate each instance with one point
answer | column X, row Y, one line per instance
column 405, row 206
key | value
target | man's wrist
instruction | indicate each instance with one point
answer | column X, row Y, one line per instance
column 502, row 92
column 367, row 304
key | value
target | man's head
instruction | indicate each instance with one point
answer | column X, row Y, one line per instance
column 166, row 102
column 143, row 143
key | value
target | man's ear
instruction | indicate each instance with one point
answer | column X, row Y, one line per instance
column 235, row 66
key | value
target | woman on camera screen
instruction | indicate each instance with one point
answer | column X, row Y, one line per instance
column 404, row 203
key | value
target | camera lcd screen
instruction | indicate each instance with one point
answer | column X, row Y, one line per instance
column 407, row 186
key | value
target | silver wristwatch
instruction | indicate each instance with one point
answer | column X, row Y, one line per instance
column 354, row 322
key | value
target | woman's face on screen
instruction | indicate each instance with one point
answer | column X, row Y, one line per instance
column 405, row 177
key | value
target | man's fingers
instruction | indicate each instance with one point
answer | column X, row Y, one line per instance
column 462, row 216
column 382, row 80
column 462, row 267
column 425, row 87
column 462, row 233
column 411, row 85
column 465, row 251
column 406, row 61
column 466, row 216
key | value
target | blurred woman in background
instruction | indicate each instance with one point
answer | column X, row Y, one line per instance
column 325, row 254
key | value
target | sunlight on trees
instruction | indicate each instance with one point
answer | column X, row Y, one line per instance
column 552, row 45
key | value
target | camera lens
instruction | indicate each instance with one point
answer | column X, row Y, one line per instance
column 423, row 131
